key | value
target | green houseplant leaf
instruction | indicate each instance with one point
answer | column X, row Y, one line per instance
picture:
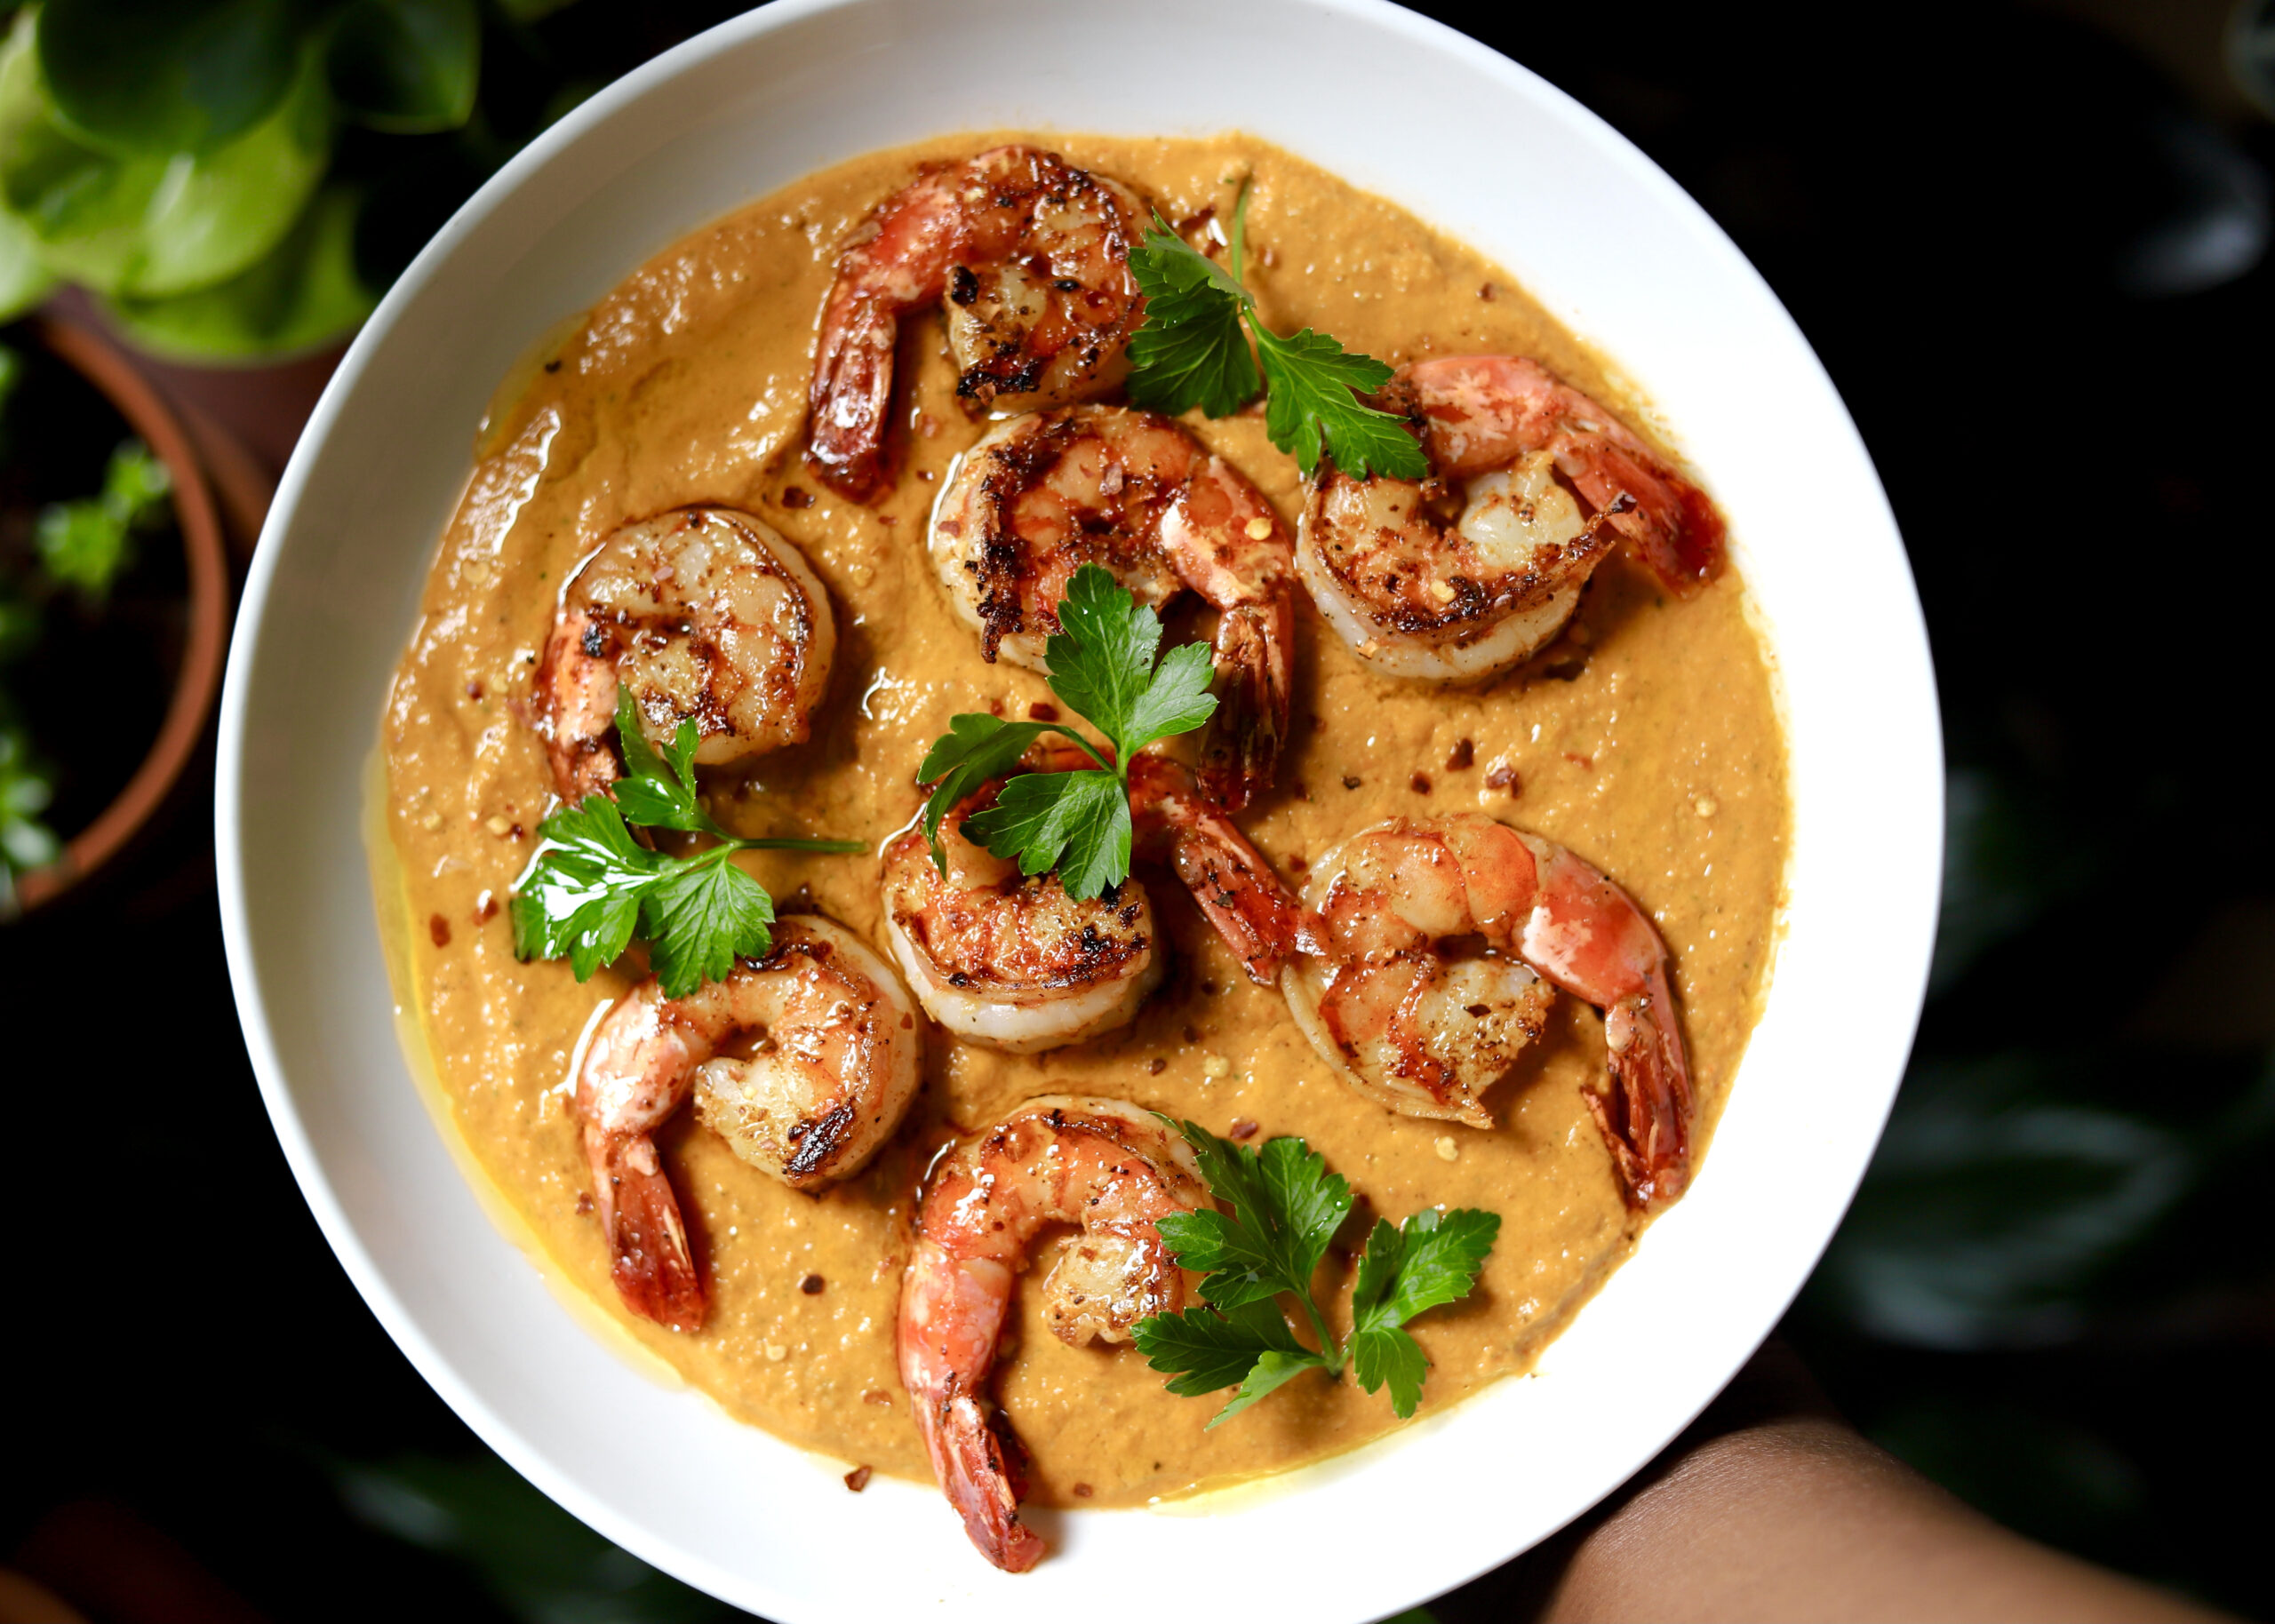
column 154, row 77
column 407, row 67
column 153, row 225
column 303, row 294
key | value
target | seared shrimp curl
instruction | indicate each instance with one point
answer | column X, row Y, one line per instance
column 1423, row 585
column 1102, row 1165
column 1427, row 943
column 1041, row 495
column 707, row 615
column 1012, row 961
column 1031, row 259
column 805, row 1062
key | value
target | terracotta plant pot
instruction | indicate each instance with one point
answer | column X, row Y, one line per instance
column 133, row 397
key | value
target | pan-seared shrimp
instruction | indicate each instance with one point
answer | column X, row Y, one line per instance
column 1029, row 257
column 1099, row 1164
column 706, row 614
column 1012, row 961
column 1428, row 944
column 1425, row 586
column 1043, row 495
column 805, row 1062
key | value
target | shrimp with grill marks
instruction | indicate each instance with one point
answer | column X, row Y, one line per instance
column 707, row 615
column 1132, row 491
column 1029, row 258
column 1465, row 575
column 805, row 1062
column 1430, row 949
column 1108, row 1167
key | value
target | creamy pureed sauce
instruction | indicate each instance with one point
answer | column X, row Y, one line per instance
column 1651, row 748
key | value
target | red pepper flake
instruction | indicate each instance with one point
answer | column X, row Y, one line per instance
column 1504, row 778
column 439, row 928
column 1485, row 292
column 1242, row 1128
column 811, row 1284
column 858, row 1478
column 1192, row 1034
column 486, row 908
column 584, row 1202
column 1351, row 781
column 473, row 690
column 877, row 1395
column 1083, row 1491
column 1040, row 711
column 1580, row 761
column 1421, row 783
column 1156, row 1066
column 1463, row 753
column 792, row 497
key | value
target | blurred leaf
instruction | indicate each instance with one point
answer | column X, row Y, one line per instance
column 163, row 76
column 2039, row 1475
column 304, row 294
column 531, row 11
column 85, row 544
column 152, row 225
column 1994, row 1205
column 541, row 1563
column 26, row 789
column 407, row 65
column 24, row 278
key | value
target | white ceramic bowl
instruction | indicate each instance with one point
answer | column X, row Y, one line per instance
column 1468, row 140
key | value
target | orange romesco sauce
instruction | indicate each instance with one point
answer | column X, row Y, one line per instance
column 1648, row 742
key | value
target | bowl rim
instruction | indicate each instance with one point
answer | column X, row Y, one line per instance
column 524, row 1454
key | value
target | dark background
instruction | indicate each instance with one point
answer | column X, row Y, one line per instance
column 2029, row 244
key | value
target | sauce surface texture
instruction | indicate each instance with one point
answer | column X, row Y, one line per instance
column 1648, row 742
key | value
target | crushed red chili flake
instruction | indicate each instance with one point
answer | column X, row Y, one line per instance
column 792, row 497
column 1351, row 781
column 1503, row 777
column 1156, row 1066
column 858, row 1478
column 439, row 928
column 1463, row 753
column 473, row 690
column 486, row 908
column 1242, row 1128
column 1040, row 711
column 1083, row 1491
column 584, row 1202
column 877, row 1395
column 1421, row 783
column 811, row 1284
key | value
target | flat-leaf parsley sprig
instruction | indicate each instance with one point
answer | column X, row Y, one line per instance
column 1286, row 1209
column 1189, row 352
column 590, row 887
column 1104, row 667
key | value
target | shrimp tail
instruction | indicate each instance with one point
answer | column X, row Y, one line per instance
column 983, row 1470
column 1236, row 891
column 649, row 1255
column 1645, row 1115
column 895, row 261
column 1240, row 756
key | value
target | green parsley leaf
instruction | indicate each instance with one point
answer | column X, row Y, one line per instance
column 590, row 886
column 1102, row 668
column 1314, row 383
column 699, row 917
column 1286, row 1209
column 1190, row 351
column 1077, row 823
column 1432, row 1259
column 658, row 790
